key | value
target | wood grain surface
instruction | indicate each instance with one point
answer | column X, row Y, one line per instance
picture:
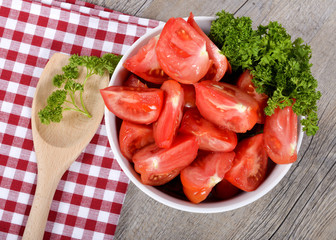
column 303, row 204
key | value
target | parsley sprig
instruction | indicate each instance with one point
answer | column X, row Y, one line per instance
column 58, row 101
column 280, row 66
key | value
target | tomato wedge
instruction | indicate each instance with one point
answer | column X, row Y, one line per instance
column 245, row 83
column 280, row 135
column 225, row 190
column 181, row 52
column 145, row 63
column 250, row 164
column 210, row 137
column 133, row 137
column 138, row 105
column 165, row 127
column 226, row 105
column 204, row 173
column 134, row 81
column 158, row 166
column 220, row 63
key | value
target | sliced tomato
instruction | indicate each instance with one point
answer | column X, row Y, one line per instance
column 158, row 166
column 250, row 164
column 133, row 137
column 138, row 105
column 189, row 95
column 225, row 190
column 210, row 137
column 145, row 63
column 245, row 83
column 226, row 105
column 165, row 127
column 220, row 63
column 229, row 68
column 181, row 52
column 134, row 81
column 280, row 136
column 204, row 173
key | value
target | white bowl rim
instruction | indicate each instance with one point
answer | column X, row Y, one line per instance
column 240, row 200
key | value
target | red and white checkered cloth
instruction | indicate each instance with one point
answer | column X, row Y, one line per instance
column 89, row 198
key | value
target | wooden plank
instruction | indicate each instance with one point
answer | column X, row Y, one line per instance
column 303, row 204
column 127, row 7
column 163, row 9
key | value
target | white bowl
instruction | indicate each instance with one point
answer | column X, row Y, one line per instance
column 242, row 199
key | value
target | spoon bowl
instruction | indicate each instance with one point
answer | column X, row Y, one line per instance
column 58, row 145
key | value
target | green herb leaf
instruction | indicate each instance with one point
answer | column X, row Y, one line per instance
column 280, row 67
column 53, row 112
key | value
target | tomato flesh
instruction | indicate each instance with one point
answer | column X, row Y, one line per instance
column 249, row 165
column 133, row 137
column 210, row 137
column 189, row 95
column 220, row 63
column 134, row 81
column 225, row 190
column 280, row 136
column 138, row 105
column 181, row 52
column 204, row 173
column 226, row 105
column 158, row 166
column 165, row 127
column 245, row 83
column 145, row 63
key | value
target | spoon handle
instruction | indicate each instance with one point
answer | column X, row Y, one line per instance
column 45, row 190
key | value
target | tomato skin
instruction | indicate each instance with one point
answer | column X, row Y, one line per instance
column 225, row 190
column 220, row 63
column 158, row 166
column 145, row 63
column 138, row 105
column 133, row 137
column 134, row 81
column 226, row 105
column 245, row 83
column 181, row 52
column 250, row 164
column 280, row 136
column 210, row 137
column 204, row 173
column 166, row 126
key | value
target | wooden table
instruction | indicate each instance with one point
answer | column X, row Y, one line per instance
column 303, row 205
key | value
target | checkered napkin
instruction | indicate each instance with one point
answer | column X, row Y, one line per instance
column 89, row 198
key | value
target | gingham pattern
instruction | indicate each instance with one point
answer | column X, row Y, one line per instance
column 89, row 198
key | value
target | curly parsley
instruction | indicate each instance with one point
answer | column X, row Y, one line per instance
column 280, row 66
column 58, row 102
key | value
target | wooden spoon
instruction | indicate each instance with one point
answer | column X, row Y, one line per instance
column 58, row 145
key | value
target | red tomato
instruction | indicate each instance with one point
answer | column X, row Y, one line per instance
column 250, row 164
column 245, row 83
column 204, row 173
column 220, row 63
column 189, row 95
column 226, row 105
column 134, row 81
column 138, row 105
column 133, row 137
column 210, row 137
column 171, row 115
column 158, row 166
column 145, row 63
column 280, row 136
column 181, row 52
column 225, row 190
